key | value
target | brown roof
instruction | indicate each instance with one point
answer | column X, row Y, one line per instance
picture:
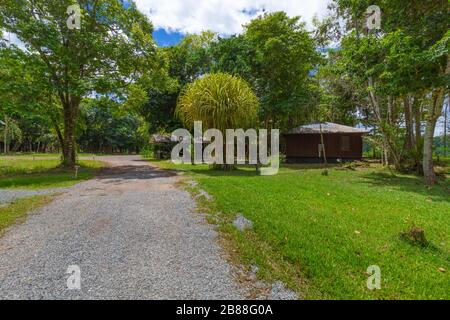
column 327, row 127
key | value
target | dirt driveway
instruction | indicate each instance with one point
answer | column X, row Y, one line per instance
column 132, row 235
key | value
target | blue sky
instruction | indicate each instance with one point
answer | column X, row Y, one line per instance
column 165, row 39
column 173, row 19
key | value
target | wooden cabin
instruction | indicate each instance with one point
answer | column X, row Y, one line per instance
column 341, row 143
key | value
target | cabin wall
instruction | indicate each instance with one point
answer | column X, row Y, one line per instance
column 305, row 147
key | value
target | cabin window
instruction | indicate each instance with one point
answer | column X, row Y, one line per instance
column 345, row 143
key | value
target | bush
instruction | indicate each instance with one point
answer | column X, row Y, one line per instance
column 147, row 151
column 160, row 151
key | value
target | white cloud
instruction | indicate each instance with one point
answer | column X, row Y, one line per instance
column 11, row 38
column 223, row 16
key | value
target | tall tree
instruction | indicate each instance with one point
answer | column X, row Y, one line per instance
column 404, row 69
column 112, row 48
column 187, row 61
column 426, row 23
column 105, row 127
column 233, row 55
column 284, row 55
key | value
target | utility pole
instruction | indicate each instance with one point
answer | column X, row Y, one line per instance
column 323, row 144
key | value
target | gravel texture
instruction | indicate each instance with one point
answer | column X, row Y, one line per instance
column 133, row 234
column 8, row 196
column 280, row 292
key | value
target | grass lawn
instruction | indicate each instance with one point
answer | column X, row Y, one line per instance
column 28, row 155
column 41, row 174
column 17, row 211
column 319, row 233
column 444, row 163
column 31, row 155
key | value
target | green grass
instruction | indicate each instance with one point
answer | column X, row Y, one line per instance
column 19, row 173
column 17, row 211
column 18, row 155
column 443, row 162
column 319, row 233
column 28, row 155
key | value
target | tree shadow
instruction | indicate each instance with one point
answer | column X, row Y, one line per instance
column 312, row 166
column 248, row 170
column 424, row 247
column 241, row 171
column 120, row 173
column 439, row 192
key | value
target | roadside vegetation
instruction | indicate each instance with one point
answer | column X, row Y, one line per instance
column 22, row 173
column 319, row 233
column 37, row 155
column 16, row 212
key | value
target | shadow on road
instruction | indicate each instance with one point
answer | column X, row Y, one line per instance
column 144, row 172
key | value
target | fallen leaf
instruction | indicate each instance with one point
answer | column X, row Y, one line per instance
column 441, row 270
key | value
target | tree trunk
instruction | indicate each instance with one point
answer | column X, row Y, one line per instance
column 390, row 110
column 386, row 156
column 58, row 130
column 418, row 152
column 388, row 143
column 409, row 141
column 418, row 123
column 445, row 124
column 266, row 122
column 69, row 146
column 428, row 165
column 5, row 135
column 436, row 111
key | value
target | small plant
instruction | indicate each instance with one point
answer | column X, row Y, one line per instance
column 416, row 236
column 147, row 152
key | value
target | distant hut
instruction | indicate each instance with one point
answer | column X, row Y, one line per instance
column 161, row 145
column 341, row 143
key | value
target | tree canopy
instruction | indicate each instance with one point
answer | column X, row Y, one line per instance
column 112, row 49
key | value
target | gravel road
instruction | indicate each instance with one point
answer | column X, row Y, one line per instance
column 131, row 232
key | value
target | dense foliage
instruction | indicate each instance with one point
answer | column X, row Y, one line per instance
column 112, row 48
column 107, row 86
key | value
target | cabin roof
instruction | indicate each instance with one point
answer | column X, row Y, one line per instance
column 327, row 127
column 160, row 138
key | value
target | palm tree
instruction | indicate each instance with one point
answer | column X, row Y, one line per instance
column 221, row 101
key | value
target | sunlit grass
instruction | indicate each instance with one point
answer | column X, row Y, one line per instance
column 328, row 229
column 16, row 212
column 39, row 174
